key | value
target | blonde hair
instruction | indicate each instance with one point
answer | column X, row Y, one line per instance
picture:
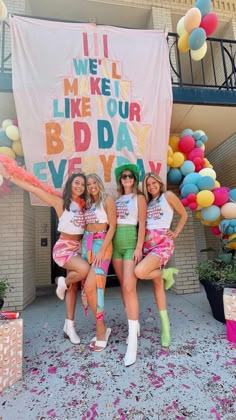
column 144, row 185
column 120, row 187
column 102, row 195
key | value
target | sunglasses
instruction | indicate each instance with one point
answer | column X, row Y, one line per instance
column 125, row 176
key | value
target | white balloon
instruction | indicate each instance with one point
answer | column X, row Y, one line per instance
column 7, row 122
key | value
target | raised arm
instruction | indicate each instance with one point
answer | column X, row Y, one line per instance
column 176, row 204
column 48, row 197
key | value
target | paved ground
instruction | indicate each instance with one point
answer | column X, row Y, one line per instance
column 196, row 379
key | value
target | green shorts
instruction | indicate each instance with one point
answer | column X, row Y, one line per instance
column 124, row 242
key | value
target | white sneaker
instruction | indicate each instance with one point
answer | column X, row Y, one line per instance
column 61, row 288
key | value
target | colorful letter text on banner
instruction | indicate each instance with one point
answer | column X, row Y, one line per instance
column 90, row 98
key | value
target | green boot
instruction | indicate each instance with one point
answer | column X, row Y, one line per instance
column 168, row 277
column 165, row 329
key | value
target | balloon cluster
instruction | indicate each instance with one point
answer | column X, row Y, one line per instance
column 3, row 11
column 11, row 146
column 193, row 29
column 199, row 189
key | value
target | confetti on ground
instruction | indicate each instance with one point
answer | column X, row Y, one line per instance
column 195, row 379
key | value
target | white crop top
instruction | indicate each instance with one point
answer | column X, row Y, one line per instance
column 127, row 209
column 72, row 221
column 95, row 214
column 159, row 213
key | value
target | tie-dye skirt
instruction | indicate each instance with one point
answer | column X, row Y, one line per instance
column 64, row 249
column 156, row 242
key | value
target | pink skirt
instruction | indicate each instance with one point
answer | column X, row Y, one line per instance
column 64, row 249
column 156, row 242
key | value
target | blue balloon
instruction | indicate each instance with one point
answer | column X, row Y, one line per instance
column 20, row 161
column 204, row 138
column 232, row 195
column 186, row 132
column 211, row 213
column 174, row 176
column 196, row 135
column 4, row 140
column 192, row 178
column 199, row 143
column 204, row 6
column 206, row 183
column 189, row 189
column 187, row 167
column 197, row 39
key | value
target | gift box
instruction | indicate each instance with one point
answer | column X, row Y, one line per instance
column 229, row 299
column 11, row 340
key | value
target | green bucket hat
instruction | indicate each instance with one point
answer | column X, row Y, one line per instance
column 127, row 167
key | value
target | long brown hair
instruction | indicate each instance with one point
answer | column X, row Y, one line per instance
column 144, row 185
column 120, row 187
column 66, row 195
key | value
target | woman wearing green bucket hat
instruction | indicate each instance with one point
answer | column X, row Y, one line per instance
column 127, row 247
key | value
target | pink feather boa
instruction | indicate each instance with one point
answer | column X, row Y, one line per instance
column 20, row 173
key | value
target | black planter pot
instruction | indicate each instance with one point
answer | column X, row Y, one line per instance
column 215, row 299
column 1, row 303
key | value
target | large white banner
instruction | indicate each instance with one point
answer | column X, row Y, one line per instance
column 90, row 98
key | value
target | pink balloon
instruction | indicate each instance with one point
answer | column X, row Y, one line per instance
column 197, row 161
column 191, row 198
column 215, row 230
column 193, row 206
column 209, row 23
column 184, row 201
column 186, row 144
column 221, row 196
column 196, row 152
column 14, row 122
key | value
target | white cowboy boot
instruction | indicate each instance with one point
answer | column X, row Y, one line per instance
column 138, row 333
column 131, row 353
column 70, row 333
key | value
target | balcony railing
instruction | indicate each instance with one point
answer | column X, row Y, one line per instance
column 216, row 71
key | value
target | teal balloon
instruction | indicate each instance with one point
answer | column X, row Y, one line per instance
column 192, row 178
column 186, row 132
column 174, row 176
column 232, row 195
column 20, row 161
column 196, row 135
column 187, row 167
column 206, row 183
column 4, row 140
column 204, row 6
column 211, row 213
column 204, row 138
column 197, row 39
column 199, row 143
column 189, row 189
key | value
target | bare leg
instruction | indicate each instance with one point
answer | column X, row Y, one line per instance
column 71, row 297
column 148, row 268
column 118, row 267
column 78, row 269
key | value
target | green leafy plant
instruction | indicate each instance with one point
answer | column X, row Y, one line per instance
column 4, row 286
column 217, row 272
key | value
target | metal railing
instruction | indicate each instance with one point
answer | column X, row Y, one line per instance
column 217, row 70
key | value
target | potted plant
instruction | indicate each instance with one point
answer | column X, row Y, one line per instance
column 216, row 274
column 4, row 289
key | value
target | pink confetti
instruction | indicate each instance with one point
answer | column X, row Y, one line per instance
column 186, row 386
column 216, row 378
column 51, row 413
column 213, row 411
column 52, row 370
column 117, row 400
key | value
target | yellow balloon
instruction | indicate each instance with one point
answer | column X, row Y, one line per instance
column 208, row 172
column 180, row 26
column 233, row 245
column 13, row 132
column 17, row 147
column 178, row 160
column 170, row 151
column 169, row 161
column 205, row 198
column 6, row 123
column 198, row 214
column 198, row 55
column 8, row 152
column 217, row 184
column 174, row 143
column 183, row 43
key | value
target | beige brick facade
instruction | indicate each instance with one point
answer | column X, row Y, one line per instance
column 22, row 226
